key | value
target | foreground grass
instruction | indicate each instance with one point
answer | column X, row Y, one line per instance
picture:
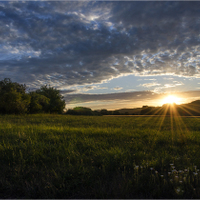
column 57, row 156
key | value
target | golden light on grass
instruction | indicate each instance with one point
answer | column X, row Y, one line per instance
column 170, row 99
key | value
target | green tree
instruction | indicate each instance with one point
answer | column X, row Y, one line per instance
column 13, row 97
column 104, row 111
column 56, row 100
column 38, row 103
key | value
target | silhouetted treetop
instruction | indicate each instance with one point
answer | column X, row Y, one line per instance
column 56, row 102
column 15, row 100
column 13, row 97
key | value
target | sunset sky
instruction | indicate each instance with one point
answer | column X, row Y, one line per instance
column 103, row 54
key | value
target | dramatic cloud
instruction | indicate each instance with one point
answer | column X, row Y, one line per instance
column 149, row 84
column 118, row 88
column 160, row 89
column 76, row 43
column 83, row 98
column 128, row 99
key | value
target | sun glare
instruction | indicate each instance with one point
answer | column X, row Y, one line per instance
column 171, row 99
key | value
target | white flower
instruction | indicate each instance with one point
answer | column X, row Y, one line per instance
column 162, row 175
column 178, row 190
column 156, row 172
column 171, row 164
column 180, row 181
column 136, row 167
column 169, row 173
column 151, row 168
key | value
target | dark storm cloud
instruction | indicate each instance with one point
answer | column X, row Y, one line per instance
column 84, row 98
column 75, row 43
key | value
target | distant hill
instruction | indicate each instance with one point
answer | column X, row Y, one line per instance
column 188, row 109
column 192, row 108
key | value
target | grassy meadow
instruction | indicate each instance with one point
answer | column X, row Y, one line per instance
column 61, row 156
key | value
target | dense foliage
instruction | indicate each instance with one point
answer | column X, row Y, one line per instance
column 13, row 97
column 56, row 103
column 15, row 100
column 82, row 111
column 38, row 103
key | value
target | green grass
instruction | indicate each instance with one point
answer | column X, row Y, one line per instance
column 59, row 156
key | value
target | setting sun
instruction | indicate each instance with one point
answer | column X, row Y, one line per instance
column 171, row 99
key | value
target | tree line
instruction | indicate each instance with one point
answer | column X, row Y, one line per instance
column 14, row 99
column 89, row 111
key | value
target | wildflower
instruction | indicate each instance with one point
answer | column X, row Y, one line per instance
column 195, row 166
column 178, row 190
column 180, row 181
column 171, row 164
column 136, row 167
column 197, row 170
column 176, row 176
column 195, row 173
column 156, row 172
column 162, row 175
column 169, row 173
column 173, row 167
column 151, row 168
column 180, row 171
column 186, row 170
column 141, row 167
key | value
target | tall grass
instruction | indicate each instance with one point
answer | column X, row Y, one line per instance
column 59, row 156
